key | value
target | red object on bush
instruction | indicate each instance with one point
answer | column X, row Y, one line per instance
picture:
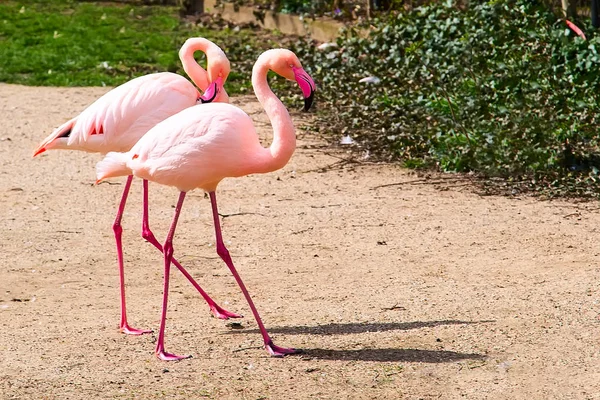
column 575, row 29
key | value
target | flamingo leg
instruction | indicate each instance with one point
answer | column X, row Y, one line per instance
column 118, row 230
column 147, row 234
column 168, row 253
column 222, row 251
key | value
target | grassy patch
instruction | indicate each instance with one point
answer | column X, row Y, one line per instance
column 70, row 43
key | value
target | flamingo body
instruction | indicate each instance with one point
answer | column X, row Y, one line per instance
column 117, row 120
column 196, row 148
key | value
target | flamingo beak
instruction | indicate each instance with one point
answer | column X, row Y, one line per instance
column 39, row 151
column 210, row 94
column 307, row 85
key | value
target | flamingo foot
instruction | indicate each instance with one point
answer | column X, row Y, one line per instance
column 221, row 313
column 126, row 329
column 276, row 351
column 170, row 357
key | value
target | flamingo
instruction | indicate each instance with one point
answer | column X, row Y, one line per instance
column 202, row 145
column 118, row 119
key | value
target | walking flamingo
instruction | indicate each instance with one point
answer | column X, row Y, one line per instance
column 202, row 145
column 117, row 120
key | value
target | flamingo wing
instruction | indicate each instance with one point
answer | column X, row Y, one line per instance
column 117, row 120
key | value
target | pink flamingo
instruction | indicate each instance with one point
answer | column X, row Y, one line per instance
column 117, row 120
column 202, row 145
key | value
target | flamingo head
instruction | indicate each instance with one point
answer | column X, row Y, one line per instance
column 218, row 71
column 217, row 66
column 285, row 63
column 215, row 92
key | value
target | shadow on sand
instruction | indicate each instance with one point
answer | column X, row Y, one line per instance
column 357, row 327
column 388, row 354
column 395, row 355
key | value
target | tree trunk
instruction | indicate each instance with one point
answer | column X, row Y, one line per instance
column 191, row 7
column 569, row 9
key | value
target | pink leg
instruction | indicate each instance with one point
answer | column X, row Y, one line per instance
column 168, row 253
column 124, row 326
column 275, row 351
column 147, row 234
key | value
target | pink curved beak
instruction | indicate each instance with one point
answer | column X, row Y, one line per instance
column 211, row 91
column 307, row 85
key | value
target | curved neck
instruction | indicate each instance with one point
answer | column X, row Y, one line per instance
column 197, row 74
column 284, row 136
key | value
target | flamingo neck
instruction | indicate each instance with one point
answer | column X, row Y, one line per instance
column 284, row 136
column 197, row 74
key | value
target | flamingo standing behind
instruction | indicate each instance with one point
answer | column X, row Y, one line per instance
column 202, row 145
column 117, row 120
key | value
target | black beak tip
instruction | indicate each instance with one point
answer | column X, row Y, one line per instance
column 308, row 101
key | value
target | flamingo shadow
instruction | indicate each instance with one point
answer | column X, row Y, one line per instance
column 380, row 355
column 358, row 327
column 394, row 355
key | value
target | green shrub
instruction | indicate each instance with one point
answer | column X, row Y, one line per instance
column 502, row 88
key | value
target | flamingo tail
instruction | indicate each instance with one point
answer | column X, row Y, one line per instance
column 113, row 165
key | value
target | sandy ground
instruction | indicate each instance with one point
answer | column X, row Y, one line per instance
column 409, row 291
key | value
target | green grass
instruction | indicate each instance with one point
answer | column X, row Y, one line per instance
column 70, row 43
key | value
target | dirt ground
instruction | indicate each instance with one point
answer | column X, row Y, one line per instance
column 408, row 291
